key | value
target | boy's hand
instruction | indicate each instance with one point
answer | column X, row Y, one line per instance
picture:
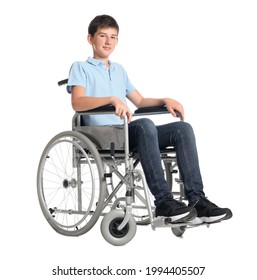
column 172, row 106
column 121, row 109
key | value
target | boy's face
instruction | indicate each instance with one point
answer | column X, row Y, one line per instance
column 103, row 42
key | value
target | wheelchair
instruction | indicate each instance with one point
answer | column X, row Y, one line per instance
column 89, row 172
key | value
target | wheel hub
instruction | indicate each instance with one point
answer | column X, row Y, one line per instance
column 114, row 228
column 72, row 183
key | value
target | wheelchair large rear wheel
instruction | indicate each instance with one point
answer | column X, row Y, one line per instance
column 70, row 183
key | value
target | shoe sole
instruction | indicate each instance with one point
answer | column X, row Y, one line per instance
column 207, row 220
column 228, row 216
column 182, row 218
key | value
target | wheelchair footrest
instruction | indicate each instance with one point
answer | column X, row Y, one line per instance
column 166, row 222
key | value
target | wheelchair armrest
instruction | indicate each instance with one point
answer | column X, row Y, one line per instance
column 107, row 109
column 153, row 111
column 102, row 109
column 97, row 111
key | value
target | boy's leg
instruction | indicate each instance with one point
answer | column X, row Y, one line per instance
column 181, row 136
column 143, row 138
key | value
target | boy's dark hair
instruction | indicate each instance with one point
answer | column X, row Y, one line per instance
column 102, row 21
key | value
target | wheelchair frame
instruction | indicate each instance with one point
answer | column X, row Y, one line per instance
column 72, row 203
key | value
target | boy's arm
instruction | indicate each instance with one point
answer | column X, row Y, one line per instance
column 139, row 101
column 81, row 102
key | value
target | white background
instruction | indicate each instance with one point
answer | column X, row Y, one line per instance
column 202, row 53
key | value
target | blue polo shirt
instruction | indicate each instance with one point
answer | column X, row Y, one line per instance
column 98, row 81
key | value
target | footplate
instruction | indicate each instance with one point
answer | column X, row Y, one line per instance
column 166, row 222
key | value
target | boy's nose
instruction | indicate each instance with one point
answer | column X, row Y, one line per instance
column 107, row 41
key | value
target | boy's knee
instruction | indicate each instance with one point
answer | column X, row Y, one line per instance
column 186, row 126
column 146, row 126
column 186, row 129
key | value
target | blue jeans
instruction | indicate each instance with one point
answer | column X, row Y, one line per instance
column 147, row 139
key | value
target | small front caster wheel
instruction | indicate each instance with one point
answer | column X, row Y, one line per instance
column 110, row 231
column 178, row 231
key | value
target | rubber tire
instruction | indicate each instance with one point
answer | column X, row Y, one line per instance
column 102, row 189
column 178, row 231
column 109, row 230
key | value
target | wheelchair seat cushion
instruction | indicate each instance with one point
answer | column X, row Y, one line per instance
column 103, row 136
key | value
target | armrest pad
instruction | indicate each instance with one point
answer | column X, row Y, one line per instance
column 151, row 110
column 102, row 109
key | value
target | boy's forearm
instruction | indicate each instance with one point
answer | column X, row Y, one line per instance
column 86, row 103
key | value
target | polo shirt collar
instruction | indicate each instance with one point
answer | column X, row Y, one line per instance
column 97, row 62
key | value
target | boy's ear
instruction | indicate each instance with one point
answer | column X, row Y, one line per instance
column 90, row 39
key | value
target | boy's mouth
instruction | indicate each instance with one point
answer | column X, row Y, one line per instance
column 107, row 48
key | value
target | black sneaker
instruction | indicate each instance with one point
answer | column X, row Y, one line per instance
column 208, row 212
column 176, row 210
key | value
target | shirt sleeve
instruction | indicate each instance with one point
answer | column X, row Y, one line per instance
column 77, row 76
column 129, row 86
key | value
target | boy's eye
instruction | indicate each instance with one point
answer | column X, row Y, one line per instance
column 114, row 37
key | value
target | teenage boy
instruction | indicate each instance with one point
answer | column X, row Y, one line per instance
column 98, row 82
